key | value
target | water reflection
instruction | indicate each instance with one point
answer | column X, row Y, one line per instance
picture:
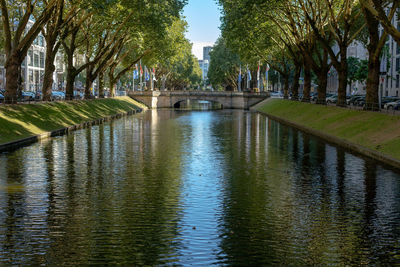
column 176, row 187
column 197, row 105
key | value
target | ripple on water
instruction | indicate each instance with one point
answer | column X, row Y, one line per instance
column 196, row 188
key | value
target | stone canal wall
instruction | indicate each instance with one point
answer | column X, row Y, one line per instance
column 371, row 134
column 24, row 124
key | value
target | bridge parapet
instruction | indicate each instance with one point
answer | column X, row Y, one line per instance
column 167, row 99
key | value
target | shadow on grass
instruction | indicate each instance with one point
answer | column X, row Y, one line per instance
column 20, row 121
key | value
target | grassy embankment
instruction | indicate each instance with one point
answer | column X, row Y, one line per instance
column 26, row 120
column 376, row 131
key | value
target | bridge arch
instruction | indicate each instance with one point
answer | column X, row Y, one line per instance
column 198, row 102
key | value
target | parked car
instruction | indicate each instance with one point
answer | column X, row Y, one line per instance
column 388, row 99
column 350, row 99
column 353, row 100
column 28, row 96
column 57, row 95
column 360, row 101
column 393, row 105
column 331, row 99
column 276, row 95
column 38, row 95
column 314, row 96
column 78, row 95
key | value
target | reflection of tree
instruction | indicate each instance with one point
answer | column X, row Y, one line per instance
column 15, row 208
column 114, row 194
column 292, row 207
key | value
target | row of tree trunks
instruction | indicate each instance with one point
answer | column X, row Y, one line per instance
column 18, row 42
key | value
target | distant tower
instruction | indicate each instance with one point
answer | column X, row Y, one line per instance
column 206, row 52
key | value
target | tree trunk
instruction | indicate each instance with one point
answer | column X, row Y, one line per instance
column 372, row 91
column 342, row 72
column 374, row 50
column 286, row 88
column 101, row 85
column 88, row 85
column 49, row 69
column 13, row 71
column 69, row 88
column 71, row 75
column 88, row 82
column 295, row 87
column 112, row 82
column 307, row 83
column 322, row 83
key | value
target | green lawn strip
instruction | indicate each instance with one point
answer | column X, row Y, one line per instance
column 373, row 130
column 25, row 120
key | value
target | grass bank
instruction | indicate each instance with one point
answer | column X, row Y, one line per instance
column 26, row 120
column 374, row 131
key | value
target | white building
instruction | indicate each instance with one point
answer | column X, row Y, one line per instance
column 32, row 68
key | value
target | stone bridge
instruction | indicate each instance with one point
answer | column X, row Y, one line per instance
column 169, row 99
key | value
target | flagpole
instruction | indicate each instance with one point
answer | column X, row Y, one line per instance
column 133, row 80
column 258, row 76
column 267, row 81
column 240, row 79
column 248, row 78
column 140, row 76
column 151, row 81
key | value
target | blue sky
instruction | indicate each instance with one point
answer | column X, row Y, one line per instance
column 203, row 20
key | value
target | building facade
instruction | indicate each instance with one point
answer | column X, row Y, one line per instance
column 205, row 62
column 32, row 68
column 204, row 65
column 206, row 52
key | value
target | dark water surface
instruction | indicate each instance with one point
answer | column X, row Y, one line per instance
column 202, row 188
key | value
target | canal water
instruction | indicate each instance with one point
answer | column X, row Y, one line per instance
column 203, row 188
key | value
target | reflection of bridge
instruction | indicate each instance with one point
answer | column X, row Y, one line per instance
column 169, row 99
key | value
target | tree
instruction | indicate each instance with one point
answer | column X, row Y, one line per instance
column 19, row 33
column 53, row 35
column 353, row 67
column 362, row 71
column 224, row 66
column 375, row 46
column 341, row 19
column 176, row 66
column 71, row 45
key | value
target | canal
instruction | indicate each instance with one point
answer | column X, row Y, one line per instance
column 169, row 187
